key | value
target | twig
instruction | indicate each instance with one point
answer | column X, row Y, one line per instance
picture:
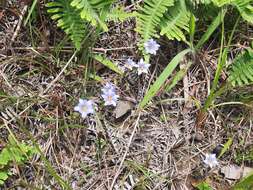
column 66, row 48
column 185, row 81
column 58, row 76
column 125, row 154
column 19, row 23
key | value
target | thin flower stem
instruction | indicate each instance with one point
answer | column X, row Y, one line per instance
column 125, row 154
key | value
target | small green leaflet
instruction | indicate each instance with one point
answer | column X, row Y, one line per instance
column 108, row 63
column 226, row 146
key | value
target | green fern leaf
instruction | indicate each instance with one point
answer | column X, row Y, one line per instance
column 241, row 71
column 221, row 3
column 90, row 11
column 196, row 2
column 150, row 16
column 3, row 177
column 68, row 19
column 174, row 22
column 118, row 14
column 243, row 6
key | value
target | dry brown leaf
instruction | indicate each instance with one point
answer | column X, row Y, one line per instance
column 235, row 172
column 122, row 108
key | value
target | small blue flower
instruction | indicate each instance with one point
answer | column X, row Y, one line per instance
column 130, row 64
column 151, row 46
column 110, row 98
column 142, row 67
column 84, row 107
column 211, row 160
column 108, row 86
column 109, row 94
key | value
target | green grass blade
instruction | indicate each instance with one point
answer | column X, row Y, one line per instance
column 245, row 183
column 30, row 12
column 95, row 77
column 162, row 78
column 192, row 29
column 226, row 146
column 216, row 22
column 179, row 76
column 106, row 62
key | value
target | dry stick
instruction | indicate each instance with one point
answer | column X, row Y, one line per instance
column 19, row 23
column 125, row 154
column 72, row 47
column 58, row 76
column 20, row 114
column 185, row 81
column 6, row 80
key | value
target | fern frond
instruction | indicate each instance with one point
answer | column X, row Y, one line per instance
column 150, row 16
column 90, row 10
column 241, row 71
column 221, row 3
column 245, row 7
column 118, row 14
column 68, row 19
column 175, row 21
column 196, row 2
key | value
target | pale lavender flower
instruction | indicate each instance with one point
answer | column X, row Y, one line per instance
column 108, row 86
column 110, row 98
column 211, row 160
column 151, row 46
column 84, row 107
column 130, row 64
column 142, row 67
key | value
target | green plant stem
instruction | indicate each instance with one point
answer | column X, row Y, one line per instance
column 30, row 11
column 221, row 62
column 223, row 55
column 212, row 96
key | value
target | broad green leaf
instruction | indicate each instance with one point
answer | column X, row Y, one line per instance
column 216, row 22
column 163, row 77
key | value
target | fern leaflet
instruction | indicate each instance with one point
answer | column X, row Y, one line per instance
column 68, row 19
column 90, row 9
column 150, row 16
column 118, row 14
column 241, row 71
column 243, row 6
column 175, row 20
